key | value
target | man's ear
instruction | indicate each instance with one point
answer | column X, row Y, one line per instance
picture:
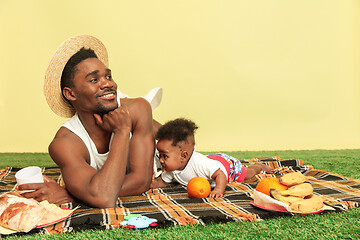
column 184, row 154
column 69, row 94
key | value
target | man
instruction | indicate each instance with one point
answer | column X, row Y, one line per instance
column 106, row 149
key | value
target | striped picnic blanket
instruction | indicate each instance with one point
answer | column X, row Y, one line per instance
column 172, row 206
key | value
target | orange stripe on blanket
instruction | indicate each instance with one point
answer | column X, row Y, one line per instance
column 176, row 211
column 336, row 186
column 231, row 209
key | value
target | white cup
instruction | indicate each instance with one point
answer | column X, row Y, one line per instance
column 29, row 175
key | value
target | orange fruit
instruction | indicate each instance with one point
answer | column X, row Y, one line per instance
column 198, row 187
column 266, row 184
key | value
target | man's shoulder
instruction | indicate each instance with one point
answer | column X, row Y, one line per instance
column 135, row 103
column 65, row 134
column 139, row 109
column 66, row 142
column 65, row 138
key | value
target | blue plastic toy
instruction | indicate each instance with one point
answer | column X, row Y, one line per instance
column 138, row 221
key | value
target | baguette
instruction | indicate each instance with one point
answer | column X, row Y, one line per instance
column 19, row 213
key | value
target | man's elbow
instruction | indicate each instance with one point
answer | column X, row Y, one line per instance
column 145, row 186
column 102, row 201
column 103, row 204
column 142, row 186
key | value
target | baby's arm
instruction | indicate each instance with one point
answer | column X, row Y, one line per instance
column 158, row 183
column 220, row 180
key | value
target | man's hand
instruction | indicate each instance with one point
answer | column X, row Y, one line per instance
column 49, row 190
column 116, row 120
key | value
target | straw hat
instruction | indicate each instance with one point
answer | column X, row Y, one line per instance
column 52, row 87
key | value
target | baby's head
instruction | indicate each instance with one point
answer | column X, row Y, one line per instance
column 176, row 143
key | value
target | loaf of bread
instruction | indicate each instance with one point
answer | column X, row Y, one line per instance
column 19, row 213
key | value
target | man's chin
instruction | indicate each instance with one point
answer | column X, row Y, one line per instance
column 104, row 110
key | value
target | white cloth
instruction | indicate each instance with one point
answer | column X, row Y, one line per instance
column 154, row 96
column 198, row 166
column 97, row 160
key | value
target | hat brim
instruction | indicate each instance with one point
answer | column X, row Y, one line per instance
column 52, row 83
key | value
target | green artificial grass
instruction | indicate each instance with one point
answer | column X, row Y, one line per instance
column 21, row 160
column 344, row 225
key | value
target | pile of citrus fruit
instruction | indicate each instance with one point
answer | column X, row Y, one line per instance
column 266, row 184
column 292, row 190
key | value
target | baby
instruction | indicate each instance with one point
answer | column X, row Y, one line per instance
column 181, row 163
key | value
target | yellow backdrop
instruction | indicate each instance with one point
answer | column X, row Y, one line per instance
column 254, row 75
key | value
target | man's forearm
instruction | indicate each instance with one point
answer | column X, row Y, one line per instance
column 133, row 185
column 156, row 126
column 141, row 164
column 109, row 180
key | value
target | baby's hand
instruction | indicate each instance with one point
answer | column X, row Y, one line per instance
column 216, row 194
column 153, row 176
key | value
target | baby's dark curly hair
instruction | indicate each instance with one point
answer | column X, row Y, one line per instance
column 177, row 130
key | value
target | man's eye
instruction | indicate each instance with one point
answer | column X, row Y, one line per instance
column 93, row 80
column 109, row 77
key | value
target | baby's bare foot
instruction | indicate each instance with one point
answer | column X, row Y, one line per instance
column 266, row 168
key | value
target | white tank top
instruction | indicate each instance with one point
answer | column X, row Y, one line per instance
column 97, row 159
column 74, row 124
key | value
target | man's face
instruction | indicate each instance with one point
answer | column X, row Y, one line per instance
column 94, row 88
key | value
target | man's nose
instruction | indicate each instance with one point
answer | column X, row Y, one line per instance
column 161, row 160
column 106, row 83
